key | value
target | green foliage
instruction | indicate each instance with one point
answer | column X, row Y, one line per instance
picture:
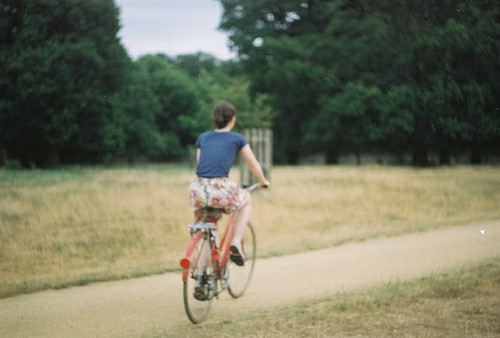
column 330, row 77
column 256, row 113
column 61, row 61
column 140, row 107
column 396, row 115
column 346, row 121
column 195, row 64
column 432, row 64
column 178, row 102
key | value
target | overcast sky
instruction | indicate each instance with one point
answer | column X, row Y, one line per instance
column 172, row 27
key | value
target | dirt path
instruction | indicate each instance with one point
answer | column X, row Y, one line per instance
column 144, row 305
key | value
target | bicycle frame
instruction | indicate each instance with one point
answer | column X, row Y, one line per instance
column 219, row 254
column 205, row 267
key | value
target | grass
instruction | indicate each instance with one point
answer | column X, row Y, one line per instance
column 79, row 225
column 463, row 303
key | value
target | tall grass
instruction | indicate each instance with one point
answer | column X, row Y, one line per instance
column 74, row 226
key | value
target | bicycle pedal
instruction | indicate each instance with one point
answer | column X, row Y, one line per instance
column 200, row 294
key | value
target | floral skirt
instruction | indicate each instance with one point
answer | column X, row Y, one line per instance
column 218, row 193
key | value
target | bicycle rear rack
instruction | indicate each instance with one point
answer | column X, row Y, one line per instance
column 197, row 226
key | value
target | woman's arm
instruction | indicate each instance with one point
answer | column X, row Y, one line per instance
column 254, row 165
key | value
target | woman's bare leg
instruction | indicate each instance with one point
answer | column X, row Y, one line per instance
column 241, row 218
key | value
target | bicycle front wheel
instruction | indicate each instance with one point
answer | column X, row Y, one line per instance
column 239, row 276
column 197, row 288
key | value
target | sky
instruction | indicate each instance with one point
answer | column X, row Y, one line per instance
column 172, row 27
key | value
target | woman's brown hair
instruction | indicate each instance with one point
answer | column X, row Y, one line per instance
column 222, row 114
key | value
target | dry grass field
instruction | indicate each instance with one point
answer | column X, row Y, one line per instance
column 78, row 225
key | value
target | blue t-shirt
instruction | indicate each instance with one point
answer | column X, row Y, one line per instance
column 217, row 152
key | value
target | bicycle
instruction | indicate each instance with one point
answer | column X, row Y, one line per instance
column 206, row 271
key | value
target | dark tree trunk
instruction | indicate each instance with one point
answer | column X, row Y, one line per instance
column 358, row 158
column 3, row 156
column 292, row 156
column 419, row 156
column 476, row 154
column 444, row 157
column 52, row 159
column 332, row 155
column 419, row 152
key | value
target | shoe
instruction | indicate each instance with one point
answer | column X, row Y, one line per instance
column 201, row 289
column 236, row 255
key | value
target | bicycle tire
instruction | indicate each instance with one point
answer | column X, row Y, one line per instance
column 240, row 276
column 197, row 310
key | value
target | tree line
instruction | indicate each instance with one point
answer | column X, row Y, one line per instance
column 69, row 93
column 329, row 77
column 357, row 76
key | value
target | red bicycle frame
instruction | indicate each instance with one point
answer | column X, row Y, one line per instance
column 215, row 250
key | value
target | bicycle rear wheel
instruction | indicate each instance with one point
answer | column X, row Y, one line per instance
column 239, row 276
column 197, row 289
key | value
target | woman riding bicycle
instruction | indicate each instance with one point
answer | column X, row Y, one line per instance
column 215, row 153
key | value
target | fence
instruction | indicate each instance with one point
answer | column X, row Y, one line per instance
column 261, row 142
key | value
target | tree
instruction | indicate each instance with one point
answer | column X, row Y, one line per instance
column 140, row 107
column 277, row 64
column 62, row 64
column 449, row 60
column 178, row 98
column 288, row 50
column 252, row 113
column 347, row 122
column 217, row 80
column 195, row 64
column 434, row 62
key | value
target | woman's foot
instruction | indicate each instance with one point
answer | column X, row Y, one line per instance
column 236, row 255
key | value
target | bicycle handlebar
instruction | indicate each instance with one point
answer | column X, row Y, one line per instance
column 252, row 187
